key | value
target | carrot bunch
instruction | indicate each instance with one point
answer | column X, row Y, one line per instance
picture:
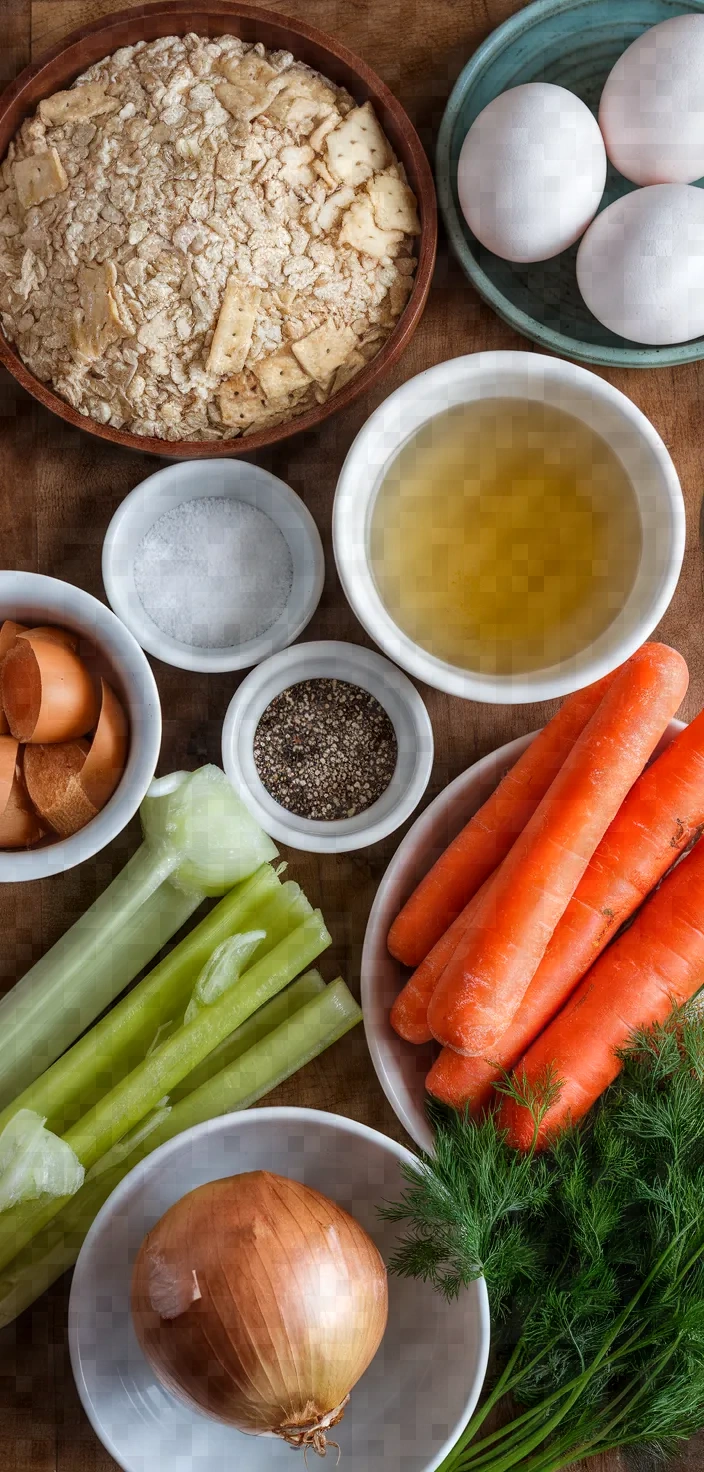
column 517, row 914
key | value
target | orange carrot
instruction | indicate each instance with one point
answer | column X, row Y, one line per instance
column 487, row 837
column 484, row 983
column 657, row 963
column 661, row 815
column 409, row 1014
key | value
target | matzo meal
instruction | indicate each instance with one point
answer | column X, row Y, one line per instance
column 201, row 239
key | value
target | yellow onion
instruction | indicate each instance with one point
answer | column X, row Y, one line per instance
column 260, row 1302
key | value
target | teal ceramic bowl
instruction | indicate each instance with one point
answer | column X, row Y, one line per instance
column 573, row 43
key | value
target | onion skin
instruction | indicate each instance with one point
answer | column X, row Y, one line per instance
column 260, row 1302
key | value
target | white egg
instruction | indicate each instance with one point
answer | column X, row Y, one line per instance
column 640, row 266
column 652, row 107
column 531, row 172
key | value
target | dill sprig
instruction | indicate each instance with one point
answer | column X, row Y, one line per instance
column 593, row 1256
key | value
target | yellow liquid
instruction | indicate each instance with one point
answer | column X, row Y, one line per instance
column 505, row 536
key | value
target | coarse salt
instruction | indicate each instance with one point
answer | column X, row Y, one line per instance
column 213, row 573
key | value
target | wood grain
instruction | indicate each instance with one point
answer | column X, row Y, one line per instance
column 58, row 490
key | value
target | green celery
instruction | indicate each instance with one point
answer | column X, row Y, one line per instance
column 318, row 1024
column 95, row 1064
column 278, row 1010
column 198, row 834
column 143, row 1089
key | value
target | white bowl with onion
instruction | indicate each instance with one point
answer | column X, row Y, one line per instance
column 213, row 565
column 410, row 1405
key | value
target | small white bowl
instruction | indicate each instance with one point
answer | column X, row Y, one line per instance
column 330, row 659
column 401, row 1067
column 409, row 1407
column 564, row 386
column 30, row 598
column 192, row 481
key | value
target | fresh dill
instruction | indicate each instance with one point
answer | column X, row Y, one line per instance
column 593, row 1256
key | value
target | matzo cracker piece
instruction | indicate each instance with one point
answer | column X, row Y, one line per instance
column 295, row 164
column 323, row 173
column 244, row 103
column 331, row 208
column 97, row 322
column 399, row 292
column 394, row 204
column 39, row 177
column 324, row 349
column 250, row 70
column 240, row 403
column 233, row 331
column 317, row 138
column 281, row 375
column 358, row 148
column 86, row 101
column 348, row 370
column 359, row 229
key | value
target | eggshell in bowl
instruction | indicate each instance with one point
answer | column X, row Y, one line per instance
column 106, row 759
column 47, row 693
column 20, row 826
column 651, row 112
column 58, row 636
column 53, row 778
column 531, row 172
column 8, row 633
column 9, row 749
column 640, row 266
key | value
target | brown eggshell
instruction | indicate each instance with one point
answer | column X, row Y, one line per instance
column 106, row 759
column 19, row 825
column 52, row 775
column 47, row 692
column 8, row 634
column 9, row 749
column 58, row 636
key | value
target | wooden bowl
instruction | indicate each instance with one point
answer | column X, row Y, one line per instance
column 57, row 69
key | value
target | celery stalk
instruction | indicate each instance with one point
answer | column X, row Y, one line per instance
column 312, row 1028
column 90, row 965
column 252, row 1031
column 307, row 1033
column 144, row 1088
column 95, row 1064
column 197, row 834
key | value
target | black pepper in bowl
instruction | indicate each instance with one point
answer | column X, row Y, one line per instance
column 325, row 749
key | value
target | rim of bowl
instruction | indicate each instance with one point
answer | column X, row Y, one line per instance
column 504, row 36
column 68, row 605
column 356, row 488
column 330, row 659
column 22, row 96
column 385, row 1046
column 243, row 1119
column 133, row 519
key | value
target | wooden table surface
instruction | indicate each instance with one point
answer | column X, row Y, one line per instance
column 58, row 491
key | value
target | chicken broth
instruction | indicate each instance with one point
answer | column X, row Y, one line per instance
column 505, row 536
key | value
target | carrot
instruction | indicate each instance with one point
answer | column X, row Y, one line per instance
column 661, row 815
column 484, row 983
column 657, row 963
column 409, row 1013
column 486, row 839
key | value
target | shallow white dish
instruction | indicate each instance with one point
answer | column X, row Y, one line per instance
column 577, row 392
column 190, row 481
column 330, row 659
column 30, row 598
column 401, row 1067
column 407, row 1410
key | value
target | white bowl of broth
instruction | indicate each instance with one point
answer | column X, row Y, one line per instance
column 508, row 527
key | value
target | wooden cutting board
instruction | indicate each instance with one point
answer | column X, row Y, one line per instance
column 58, row 491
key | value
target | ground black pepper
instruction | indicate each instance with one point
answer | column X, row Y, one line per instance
column 325, row 749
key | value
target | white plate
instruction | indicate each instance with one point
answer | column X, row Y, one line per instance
column 409, row 1407
column 401, row 1067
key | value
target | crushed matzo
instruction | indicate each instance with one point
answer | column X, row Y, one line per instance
column 200, row 239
